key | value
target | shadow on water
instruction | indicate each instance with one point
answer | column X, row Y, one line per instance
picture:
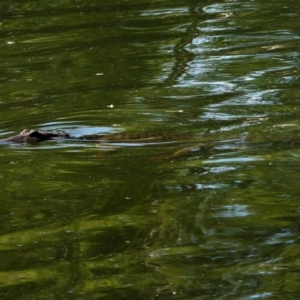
column 211, row 216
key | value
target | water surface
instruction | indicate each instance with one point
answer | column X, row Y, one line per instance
column 214, row 216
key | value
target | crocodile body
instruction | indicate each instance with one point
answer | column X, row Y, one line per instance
column 202, row 142
column 32, row 136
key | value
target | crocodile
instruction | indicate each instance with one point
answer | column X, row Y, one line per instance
column 33, row 136
column 202, row 142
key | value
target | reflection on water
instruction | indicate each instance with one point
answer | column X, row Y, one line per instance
column 212, row 216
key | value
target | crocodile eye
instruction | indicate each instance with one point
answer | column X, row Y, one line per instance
column 34, row 133
column 25, row 132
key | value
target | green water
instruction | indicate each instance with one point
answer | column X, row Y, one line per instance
column 215, row 216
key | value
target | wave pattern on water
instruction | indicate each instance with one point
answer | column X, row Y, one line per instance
column 214, row 216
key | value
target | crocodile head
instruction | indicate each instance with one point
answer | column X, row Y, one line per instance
column 30, row 135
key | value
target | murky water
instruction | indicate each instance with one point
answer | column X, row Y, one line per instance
column 212, row 216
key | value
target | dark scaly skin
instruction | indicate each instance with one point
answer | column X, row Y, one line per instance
column 138, row 137
column 32, row 136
